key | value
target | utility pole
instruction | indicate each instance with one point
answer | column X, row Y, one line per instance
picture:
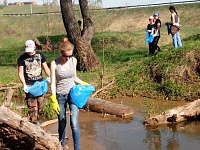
column 31, row 7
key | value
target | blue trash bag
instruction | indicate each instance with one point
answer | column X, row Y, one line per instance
column 149, row 38
column 80, row 94
column 38, row 88
column 168, row 28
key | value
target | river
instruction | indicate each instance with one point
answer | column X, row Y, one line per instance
column 113, row 133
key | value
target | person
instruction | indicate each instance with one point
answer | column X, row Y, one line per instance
column 30, row 71
column 63, row 78
column 157, row 26
column 150, row 29
column 175, row 27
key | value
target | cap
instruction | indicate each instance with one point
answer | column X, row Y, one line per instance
column 151, row 18
column 156, row 14
column 29, row 46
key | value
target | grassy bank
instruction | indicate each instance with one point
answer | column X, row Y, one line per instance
column 171, row 74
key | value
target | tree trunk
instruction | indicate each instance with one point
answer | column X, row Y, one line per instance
column 18, row 133
column 106, row 107
column 87, row 60
column 177, row 114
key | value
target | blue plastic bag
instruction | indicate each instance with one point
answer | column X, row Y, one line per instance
column 38, row 88
column 149, row 38
column 80, row 94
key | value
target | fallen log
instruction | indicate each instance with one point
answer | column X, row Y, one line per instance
column 8, row 97
column 101, row 106
column 17, row 132
column 48, row 46
column 106, row 107
column 6, row 87
column 177, row 114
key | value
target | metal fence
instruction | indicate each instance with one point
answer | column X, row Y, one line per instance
column 154, row 4
column 112, row 8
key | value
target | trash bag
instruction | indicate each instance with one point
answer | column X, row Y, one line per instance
column 168, row 28
column 149, row 38
column 38, row 88
column 80, row 94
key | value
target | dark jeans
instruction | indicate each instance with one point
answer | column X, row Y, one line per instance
column 62, row 120
column 151, row 49
column 155, row 44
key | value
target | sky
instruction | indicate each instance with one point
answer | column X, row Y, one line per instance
column 110, row 3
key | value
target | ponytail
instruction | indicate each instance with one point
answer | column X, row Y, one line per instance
column 173, row 8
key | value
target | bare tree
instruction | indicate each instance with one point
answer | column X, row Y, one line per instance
column 80, row 38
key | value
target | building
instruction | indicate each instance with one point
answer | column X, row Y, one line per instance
column 23, row 3
column 30, row 3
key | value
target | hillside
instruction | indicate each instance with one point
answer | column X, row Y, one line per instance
column 125, row 20
column 171, row 74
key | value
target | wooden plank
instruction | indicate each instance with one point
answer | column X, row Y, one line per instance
column 106, row 107
column 177, row 114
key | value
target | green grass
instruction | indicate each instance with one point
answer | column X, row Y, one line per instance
column 126, row 55
column 159, row 75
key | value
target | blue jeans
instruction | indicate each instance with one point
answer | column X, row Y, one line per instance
column 177, row 40
column 62, row 121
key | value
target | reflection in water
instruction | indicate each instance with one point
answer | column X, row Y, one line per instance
column 153, row 139
column 113, row 133
column 181, row 136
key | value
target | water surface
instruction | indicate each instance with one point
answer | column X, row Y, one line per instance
column 113, row 133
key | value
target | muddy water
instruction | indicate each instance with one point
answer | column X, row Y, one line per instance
column 113, row 133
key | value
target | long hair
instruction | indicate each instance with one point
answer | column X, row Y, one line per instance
column 173, row 8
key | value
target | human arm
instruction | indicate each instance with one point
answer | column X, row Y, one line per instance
column 53, row 87
column 44, row 65
column 172, row 19
column 53, row 77
column 157, row 28
column 21, row 74
column 76, row 79
column 21, row 78
column 46, row 69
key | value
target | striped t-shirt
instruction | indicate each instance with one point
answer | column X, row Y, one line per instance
column 64, row 78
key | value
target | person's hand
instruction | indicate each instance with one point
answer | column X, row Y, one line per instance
column 25, row 88
column 55, row 103
column 48, row 80
column 154, row 35
column 84, row 83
